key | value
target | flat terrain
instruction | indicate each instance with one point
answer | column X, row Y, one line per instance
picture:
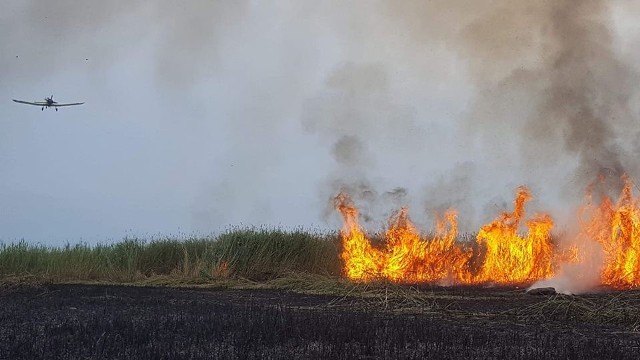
column 98, row 321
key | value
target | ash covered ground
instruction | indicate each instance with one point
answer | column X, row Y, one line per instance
column 107, row 322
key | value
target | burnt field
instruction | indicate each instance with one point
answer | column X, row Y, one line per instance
column 96, row 321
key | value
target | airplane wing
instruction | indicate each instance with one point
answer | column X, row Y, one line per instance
column 70, row 104
column 36, row 103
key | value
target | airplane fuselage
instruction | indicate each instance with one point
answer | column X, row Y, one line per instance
column 49, row 103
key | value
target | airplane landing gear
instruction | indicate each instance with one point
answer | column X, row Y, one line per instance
column 42, row 109
column 56, row 109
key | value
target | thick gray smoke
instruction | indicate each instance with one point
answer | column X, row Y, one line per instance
column 547, row 71
column 554, row 101
column 550, row 77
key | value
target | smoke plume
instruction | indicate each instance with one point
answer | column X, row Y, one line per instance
column 548, row 70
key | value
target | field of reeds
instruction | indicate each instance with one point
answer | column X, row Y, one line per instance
column 254, row 254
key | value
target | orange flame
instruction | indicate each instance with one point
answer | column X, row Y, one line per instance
column 617, row 228
column 412, row 259
column 511, row 258
column 409, row 257
column 503, row 255
column 362, row 261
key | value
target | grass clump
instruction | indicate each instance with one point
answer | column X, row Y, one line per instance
column 257, row 254
column 265, row 253
column 621, row 308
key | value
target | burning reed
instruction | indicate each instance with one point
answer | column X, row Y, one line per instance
column 501, row 254
column 514, row 249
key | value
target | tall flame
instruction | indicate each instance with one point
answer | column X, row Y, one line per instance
column 409, row 257
column 362, row 261
column 414, row 259
column 406, row 257
column 508, row 250
column 511, row 258
column 616, row 226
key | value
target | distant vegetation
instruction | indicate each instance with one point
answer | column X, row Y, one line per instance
column 254, row 254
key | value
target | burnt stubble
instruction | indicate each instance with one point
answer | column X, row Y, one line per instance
column 120, row 322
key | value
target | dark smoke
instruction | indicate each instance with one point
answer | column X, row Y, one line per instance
column 553, row 96
column 587, row 98
column 549, row 75
column 349, row 151
column 547, row 70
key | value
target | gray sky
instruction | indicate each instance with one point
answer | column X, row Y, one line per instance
column 224, row 113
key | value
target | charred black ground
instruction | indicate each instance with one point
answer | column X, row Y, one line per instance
column 96, row 321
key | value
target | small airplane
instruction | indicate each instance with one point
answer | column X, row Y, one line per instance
column 47, row 103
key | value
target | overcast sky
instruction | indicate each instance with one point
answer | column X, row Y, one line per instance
column 202, row 115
